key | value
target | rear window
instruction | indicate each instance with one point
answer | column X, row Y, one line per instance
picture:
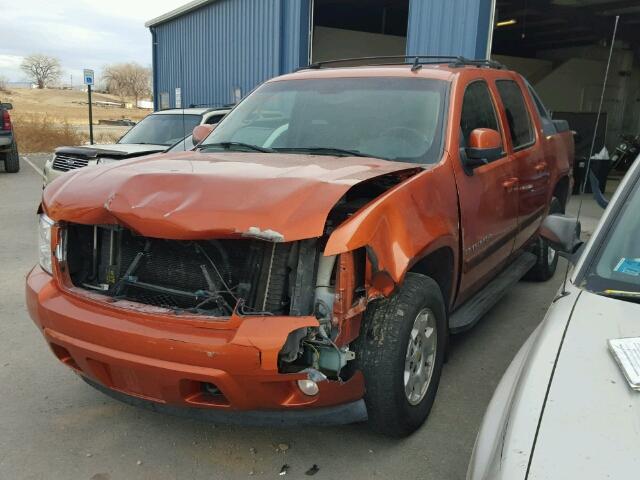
column 517, row 114
column 548, row 126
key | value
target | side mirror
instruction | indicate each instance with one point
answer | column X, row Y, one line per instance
column 6, row 106
column 562, row 233
column 485, row 145
column 201, row 132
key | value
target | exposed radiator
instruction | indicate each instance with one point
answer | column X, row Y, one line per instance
column 211, row 277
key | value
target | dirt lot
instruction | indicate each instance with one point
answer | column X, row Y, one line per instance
column 66, row 105
column 54, row 426
column 46, row 119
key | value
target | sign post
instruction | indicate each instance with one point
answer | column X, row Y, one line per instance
column 88, row 81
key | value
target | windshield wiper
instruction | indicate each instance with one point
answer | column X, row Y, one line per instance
column 236, row 145
column 629, row 296
column 339, row 152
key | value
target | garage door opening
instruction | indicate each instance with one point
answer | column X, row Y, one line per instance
column 562, row 47
column 358, row 28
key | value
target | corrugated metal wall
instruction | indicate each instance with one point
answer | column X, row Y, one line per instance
column 449, row 27
column 227, row 45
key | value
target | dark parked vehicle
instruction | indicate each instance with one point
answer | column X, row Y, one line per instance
column 8, row 144
column 626, row 152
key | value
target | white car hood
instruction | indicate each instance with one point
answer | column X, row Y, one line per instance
column 590, row 427
column 130, row 147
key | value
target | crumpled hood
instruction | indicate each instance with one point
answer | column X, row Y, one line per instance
column 193, row 195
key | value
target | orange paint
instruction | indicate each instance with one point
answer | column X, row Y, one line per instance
column 483, row 218
column 485, row 138
column 166, row 358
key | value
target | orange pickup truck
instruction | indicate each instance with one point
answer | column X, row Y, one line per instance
column 306, row 262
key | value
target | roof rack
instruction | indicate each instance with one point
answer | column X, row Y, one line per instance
column 211, row 105
column 416, row 60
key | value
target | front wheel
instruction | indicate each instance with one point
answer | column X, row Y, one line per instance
column 401, row 351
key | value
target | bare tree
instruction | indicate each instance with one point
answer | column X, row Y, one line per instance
column 41, row 69
column 127, row 80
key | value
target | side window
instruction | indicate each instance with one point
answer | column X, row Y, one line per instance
column 214, row 119
column 478, row 110
column 517, row 114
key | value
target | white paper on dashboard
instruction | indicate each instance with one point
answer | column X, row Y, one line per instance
column 626, row 352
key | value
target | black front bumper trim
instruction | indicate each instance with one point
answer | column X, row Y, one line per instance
column 327, row 416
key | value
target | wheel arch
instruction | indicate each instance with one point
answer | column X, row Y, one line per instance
column 439, row 265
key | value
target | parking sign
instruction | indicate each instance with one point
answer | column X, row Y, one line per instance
column 88, row 77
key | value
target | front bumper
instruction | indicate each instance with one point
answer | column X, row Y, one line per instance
column 165, row 360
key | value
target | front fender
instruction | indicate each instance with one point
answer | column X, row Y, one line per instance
column 404, row 224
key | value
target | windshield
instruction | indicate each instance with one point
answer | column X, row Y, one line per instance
column 183, row 145
column 390, row 118
column 161, row 129
column 616, row 266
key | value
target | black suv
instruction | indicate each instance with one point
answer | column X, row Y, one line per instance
column 8, row 145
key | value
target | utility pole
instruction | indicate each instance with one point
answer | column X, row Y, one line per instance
column 90, row 115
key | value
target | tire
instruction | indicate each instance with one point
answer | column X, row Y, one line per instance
column 546, row 257
column 12, row 160
column 382, row 355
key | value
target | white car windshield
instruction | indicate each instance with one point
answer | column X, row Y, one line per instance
column 615, row 269
column 161, row 129
column 392, row 118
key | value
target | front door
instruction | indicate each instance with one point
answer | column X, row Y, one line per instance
column 488, row 197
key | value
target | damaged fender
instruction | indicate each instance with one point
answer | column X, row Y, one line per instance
column 402, row 226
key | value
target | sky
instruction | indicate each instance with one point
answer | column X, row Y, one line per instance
column 80, row 33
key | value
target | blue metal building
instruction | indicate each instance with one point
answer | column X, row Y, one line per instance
column 212, row 52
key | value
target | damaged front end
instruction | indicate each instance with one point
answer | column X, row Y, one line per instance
column 196, row 295
column 217, row 279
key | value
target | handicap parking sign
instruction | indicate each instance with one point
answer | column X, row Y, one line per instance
column 88, row 77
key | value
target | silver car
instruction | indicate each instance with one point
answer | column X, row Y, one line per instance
column 153, row 134
column 564, row 409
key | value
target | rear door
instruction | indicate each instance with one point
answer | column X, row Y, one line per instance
column 528, row 158
column 488, row 196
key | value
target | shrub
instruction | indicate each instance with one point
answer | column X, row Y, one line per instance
column 41, row 133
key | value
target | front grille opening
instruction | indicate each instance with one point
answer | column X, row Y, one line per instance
column 203, row 394
column 64, row 356
column 208, row 277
